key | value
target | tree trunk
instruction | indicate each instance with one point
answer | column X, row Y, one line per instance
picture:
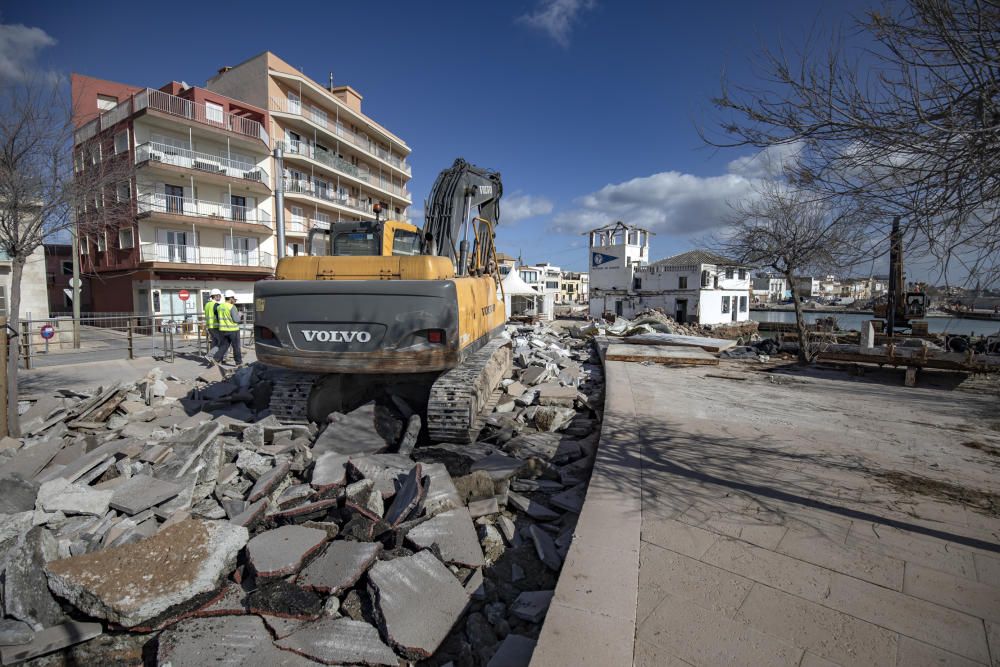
column 805, row 353
column 13, row 349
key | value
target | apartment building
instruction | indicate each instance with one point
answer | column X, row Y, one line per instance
column 338, row 163
column 197, row 212
column 573, row 287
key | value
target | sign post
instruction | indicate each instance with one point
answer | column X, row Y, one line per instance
column 47, row 331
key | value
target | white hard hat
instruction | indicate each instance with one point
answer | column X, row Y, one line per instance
column 216, row 292
column 230, row 294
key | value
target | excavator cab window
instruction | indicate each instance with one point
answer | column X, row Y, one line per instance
column 356, row 243
column 405, row 242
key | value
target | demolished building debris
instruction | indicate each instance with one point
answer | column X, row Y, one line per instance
column 186, row 517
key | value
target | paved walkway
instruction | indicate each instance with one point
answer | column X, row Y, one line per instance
column 795, row 520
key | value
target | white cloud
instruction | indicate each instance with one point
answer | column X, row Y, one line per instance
column 19, row 46
column 556, row 17
column 518, row 207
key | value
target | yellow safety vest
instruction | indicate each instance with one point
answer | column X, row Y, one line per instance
column 211, row 321
column 226, row 322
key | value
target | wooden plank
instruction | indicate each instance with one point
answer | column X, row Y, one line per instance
column 668, row 356
column 677, row 340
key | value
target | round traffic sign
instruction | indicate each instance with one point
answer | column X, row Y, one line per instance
column 75, row 282
column 48, row 331
column 183, row 295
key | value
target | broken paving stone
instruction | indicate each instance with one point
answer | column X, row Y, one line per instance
column 364, row 498
column 551, row 393
column 225, row 640
column 533, row 375
column 531, row 606
column 268, row 480
column 530, row 485
column 17, row 495
column 475, row 486
column 278, row 597
column 330, row 472
column 441, row 494
column 492, row 544
column 570, row 500
column 317, row 508
column 339, row 567
column 282, row 627
column 13, row 632
column 353, row 433
column 253, row 464
column 415, row 622
column 340, row 640
column 530, row 507
column 137, row 582
column 282, row 551
column 552, row 418
column 141, row 492
column 486, row 507
column 61, row 495
column 218, row 390
column 545, row 547
column 514, row 651
column 507, row 528
column 408, row 498
column 455, row 536
column 25, row 593
column 383, row 469
column 499, row 466
column 49, row 640
column 475, row 587
column 294, row 494
column 31, row 459
column 329, row 527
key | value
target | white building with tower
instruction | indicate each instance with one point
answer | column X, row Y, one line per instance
column 615, row 252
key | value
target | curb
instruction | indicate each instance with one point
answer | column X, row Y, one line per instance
column 592, row 618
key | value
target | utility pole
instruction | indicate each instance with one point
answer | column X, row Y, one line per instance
column 279, row 200
column 75, row 236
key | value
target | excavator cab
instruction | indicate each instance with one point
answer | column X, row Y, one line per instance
column 386, row 238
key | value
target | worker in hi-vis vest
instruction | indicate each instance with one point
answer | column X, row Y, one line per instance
column 212, row 321
column 229, row 329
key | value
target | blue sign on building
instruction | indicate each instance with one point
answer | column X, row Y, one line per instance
column 599, row 258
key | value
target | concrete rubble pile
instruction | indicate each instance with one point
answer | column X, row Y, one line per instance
column 180, row 523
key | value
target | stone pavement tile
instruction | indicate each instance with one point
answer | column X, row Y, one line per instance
column 971, row 597
column 610, row 522
column 987, row 567
column 588, row 586
column 454, row 534
column 560, row 641
column 282, row 551
column 49, row 640
column 912, row 653
column 813, row 660
column 677, row 536
column 911, row 547
column 830, row 634
column 514, row 651
column 768, row 567
column 746, row 527
column 704, row 637
column 664, row 572
column 651, row 655
column 907, row 615
column 340, row 566
column 856, row 561
column 993, row 639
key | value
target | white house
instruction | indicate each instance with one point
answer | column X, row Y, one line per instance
column 616, row 252
column 769, row 287
column 696, row 286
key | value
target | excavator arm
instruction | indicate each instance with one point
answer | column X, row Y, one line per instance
column 449, row 231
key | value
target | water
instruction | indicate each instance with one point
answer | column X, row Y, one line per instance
column 953, row 325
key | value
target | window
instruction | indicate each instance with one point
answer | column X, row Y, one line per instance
column 67, row 267
column 743, row 274
column 123, row 191
column 106, row 102
column 84, row 245
column 637, row 283
column 121, row 142
column 405, row 242
column 94, row 151
column 294, row 103
column 682, row 282
column 3, row 300
column 213, row 112
column 295, row 249
column 743, row 304
column 102, row 242
column 125, row 238
column 551, row 284
column 298, row 215
column 729, row 273
column 319, row 116
column 725, row 304
column 705, row 280
column 355, row 243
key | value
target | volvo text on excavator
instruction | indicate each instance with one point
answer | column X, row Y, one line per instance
column 383, row 308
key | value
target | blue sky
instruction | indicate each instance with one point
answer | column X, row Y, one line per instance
column 588, row 108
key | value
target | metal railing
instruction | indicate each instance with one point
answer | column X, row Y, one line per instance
column 327, row 194
column 175, row 205
column 109, row 336
column 309, row 150
column 213, row 164
column 336, row 128
column 187, row 254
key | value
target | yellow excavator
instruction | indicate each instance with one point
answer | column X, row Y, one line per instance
column 381, row 309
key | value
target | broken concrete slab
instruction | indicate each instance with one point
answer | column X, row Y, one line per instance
column 32, row 458
column 61, row 495
column 408, row 498
column 499, row 466
column 533, row 375
column 552, row 393
column 49, row 640
column 278, row 597
column 441, row 494
column 340, row 641
column 226, row 640
column 17, row 495
column 229, row 602
column 533, row 509
column 140, row 492
column 486, row 507
column 363, row 497
column 26, row 595
column 545, row 547
column 514, row 651
column 506, row 527
column 339, row 567
column 455, row 536
column 13, row 632
column 283, row 551
column 383, row 469
column 668, row 356
column 268, row 481
column 317, row 508
column 282, row 627
column 132, row 584
column 571, row 499
column 353, row 433
column 414, row 622
column 330, row 472
column 532, row 606
column 552, row 418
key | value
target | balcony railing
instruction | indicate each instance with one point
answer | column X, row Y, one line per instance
column 309, row 150
column 338, row 129
column 327, row 194
column 175, row 205
column 188, row 254
column 213, row 164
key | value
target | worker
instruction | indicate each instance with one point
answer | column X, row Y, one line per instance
column 229, row 329
column 212, row 321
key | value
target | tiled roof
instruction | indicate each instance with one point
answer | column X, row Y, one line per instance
column 692, row 257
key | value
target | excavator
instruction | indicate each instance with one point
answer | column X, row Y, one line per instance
column 383, row 310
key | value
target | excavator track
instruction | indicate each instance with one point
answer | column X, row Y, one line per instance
column 460, row 398
column 290, row 396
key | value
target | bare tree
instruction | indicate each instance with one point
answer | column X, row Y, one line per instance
column 47, row 188
column 793, row 232
column 903, row 112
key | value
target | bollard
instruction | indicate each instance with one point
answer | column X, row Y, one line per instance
column 131, row 338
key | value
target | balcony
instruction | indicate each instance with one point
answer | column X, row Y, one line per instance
column 157, row 100
column 173, row 205
column 294, row 187
column 170, row 253
column 308, row 150
column 214, row 165
column 337, row 129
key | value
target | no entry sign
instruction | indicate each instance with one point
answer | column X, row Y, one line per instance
column 48, row 331
column 184, row 295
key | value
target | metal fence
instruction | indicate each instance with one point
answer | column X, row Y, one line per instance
column 55, row 340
